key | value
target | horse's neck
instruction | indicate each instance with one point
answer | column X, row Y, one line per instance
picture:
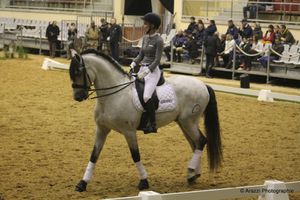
column 107, row 75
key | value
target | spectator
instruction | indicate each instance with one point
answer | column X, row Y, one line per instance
column 191, row 47
column 211, row 28
column 72, row 35
column 244, row 59
column 252, row 8
column 115, row 38
column 92, row 36
column 178, row 41
column 232, row 30
column 278, row 47
column 192, row 26
column 228, row 52
column 277, row 32
column 269, row 36
column 286, row 36
column 257, row 31
column 200, row 35
column 211, row 45
column 253, row 50
column 52, row 33
column 104, row 32
column 246, row 30
column 201, row 22
column 221, row 49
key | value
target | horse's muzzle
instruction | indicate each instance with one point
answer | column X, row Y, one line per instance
column 80, row 96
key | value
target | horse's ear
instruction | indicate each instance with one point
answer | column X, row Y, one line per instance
column 76, row 56
column 73, row 52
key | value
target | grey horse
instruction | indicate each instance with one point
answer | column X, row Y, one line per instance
column 115, row 110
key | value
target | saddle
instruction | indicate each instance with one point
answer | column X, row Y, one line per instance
column 140, row 88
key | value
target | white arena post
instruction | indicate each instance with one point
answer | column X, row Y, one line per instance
column 52, row 64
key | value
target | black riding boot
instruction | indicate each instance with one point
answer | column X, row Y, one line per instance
column 150, row 109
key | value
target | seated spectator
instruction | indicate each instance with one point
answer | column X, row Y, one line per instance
column 277, row 32
column 232, row 30
column 221, row 49
column 200, row 34
column 192, row 26
column 257, row 31
column 228, row 52
column 211, row 45
column 200, row 22
column 192, row 48
column 244, row 59
column 246, row 30
column 178, row 41
column 269, row 36
column 253, row 7
column 286, row 36
column 211, row 28
column 278, row 47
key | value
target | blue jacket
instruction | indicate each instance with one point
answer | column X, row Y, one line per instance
column 233, row 30
column 211, row 29
column 246, row 31
column 179, row 40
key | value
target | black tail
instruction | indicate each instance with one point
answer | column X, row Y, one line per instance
column 212, row 128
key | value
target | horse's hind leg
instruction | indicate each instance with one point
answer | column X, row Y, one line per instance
column 135, row 154
column 197, row 142
column 101, row 134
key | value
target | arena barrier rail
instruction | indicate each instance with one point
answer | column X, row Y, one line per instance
column 271, row 190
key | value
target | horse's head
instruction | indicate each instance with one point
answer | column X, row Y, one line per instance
column 81, row 81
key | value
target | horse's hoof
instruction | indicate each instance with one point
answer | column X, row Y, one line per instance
column 81, row 186
column 143, row 185
column 192, row 180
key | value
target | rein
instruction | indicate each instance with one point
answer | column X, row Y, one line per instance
column 93, row 90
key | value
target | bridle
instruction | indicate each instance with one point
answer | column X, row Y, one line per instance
column 87, row 84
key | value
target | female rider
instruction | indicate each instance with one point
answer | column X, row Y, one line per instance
column 149, row 59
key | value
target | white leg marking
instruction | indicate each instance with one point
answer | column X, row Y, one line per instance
column 89, row 172
column 195, row 161
column 141, row 169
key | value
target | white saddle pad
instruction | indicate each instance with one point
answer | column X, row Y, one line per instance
column 165, row 94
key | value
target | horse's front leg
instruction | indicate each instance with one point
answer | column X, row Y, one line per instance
column 101, row 134
column 135, row 154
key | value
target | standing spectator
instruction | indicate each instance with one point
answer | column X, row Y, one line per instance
column 257, row 31
column 211, row 28
column 232, row 30
column 178, row 41
column 192, row 26
column 269, row 36
column 92, row 36
column 286, row 36
column 72, row 35
column 228, row 52
column 211, row 45
column 104, row 32
column 52, row 33
column 246, row 30
column 278, row 47
column 252, row 8
column 115, row 38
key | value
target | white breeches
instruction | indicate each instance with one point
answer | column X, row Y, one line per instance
column 151, row 81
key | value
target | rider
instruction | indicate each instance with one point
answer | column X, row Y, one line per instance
column 149, row 59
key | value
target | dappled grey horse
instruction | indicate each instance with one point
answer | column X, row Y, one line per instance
column 115, row 110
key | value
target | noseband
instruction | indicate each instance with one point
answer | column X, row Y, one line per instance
column 86, row 86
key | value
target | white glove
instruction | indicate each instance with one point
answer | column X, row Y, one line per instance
column 132, row 65
column 108, row 39
column 142, row 75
